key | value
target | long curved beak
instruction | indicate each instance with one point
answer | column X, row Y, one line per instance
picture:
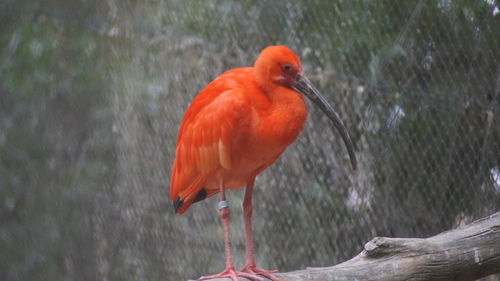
column 304, row 86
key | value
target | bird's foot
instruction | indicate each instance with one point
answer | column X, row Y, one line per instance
column 233, row 274
column 253, row 269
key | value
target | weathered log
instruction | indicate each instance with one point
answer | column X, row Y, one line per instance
column 469, row 252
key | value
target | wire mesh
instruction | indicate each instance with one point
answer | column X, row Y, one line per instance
column 92, row 94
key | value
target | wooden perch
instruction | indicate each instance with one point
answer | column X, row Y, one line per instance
column 469, row 252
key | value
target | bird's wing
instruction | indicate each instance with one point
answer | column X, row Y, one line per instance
column 204, row 141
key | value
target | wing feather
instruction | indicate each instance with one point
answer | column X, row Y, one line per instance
column 204, row 141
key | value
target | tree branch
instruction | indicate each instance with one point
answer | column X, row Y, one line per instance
column 466, row 253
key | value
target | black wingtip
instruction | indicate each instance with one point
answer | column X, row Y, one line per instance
column 202, row 194
column 178, row 203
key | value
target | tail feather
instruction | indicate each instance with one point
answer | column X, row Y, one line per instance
column 184, row 188
column 181, row 206
column 179, row 203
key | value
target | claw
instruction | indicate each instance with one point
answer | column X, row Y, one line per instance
column 252, row 269
column 233, row 274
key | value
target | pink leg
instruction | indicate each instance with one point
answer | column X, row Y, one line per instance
column 229, row 271
column 250, row 266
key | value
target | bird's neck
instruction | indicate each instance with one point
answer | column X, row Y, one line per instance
column 283, row 108
column 286, row 115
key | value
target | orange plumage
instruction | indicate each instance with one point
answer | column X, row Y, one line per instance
column 232, row 131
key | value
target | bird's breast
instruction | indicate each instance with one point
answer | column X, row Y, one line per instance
column 264, row 142
column 284, row 122
column 272, row 131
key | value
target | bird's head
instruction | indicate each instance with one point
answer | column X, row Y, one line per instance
column 279, row 66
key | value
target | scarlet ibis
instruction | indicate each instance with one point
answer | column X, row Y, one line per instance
column 236, row 127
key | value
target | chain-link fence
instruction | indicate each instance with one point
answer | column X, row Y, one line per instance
column 92, row 93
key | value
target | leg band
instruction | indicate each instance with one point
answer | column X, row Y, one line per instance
column 223, row 204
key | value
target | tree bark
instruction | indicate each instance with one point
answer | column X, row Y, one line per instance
column 469, row 252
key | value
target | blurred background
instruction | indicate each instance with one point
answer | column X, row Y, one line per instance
column 92, row 93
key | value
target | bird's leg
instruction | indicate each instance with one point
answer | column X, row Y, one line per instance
column 224, row 214
column 250, row 266
column 229, row 271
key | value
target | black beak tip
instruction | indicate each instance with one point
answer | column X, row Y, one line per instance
column 354, row 163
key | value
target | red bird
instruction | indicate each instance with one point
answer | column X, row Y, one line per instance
column 236, row 127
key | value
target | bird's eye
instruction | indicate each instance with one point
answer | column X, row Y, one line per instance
column 286, row 67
